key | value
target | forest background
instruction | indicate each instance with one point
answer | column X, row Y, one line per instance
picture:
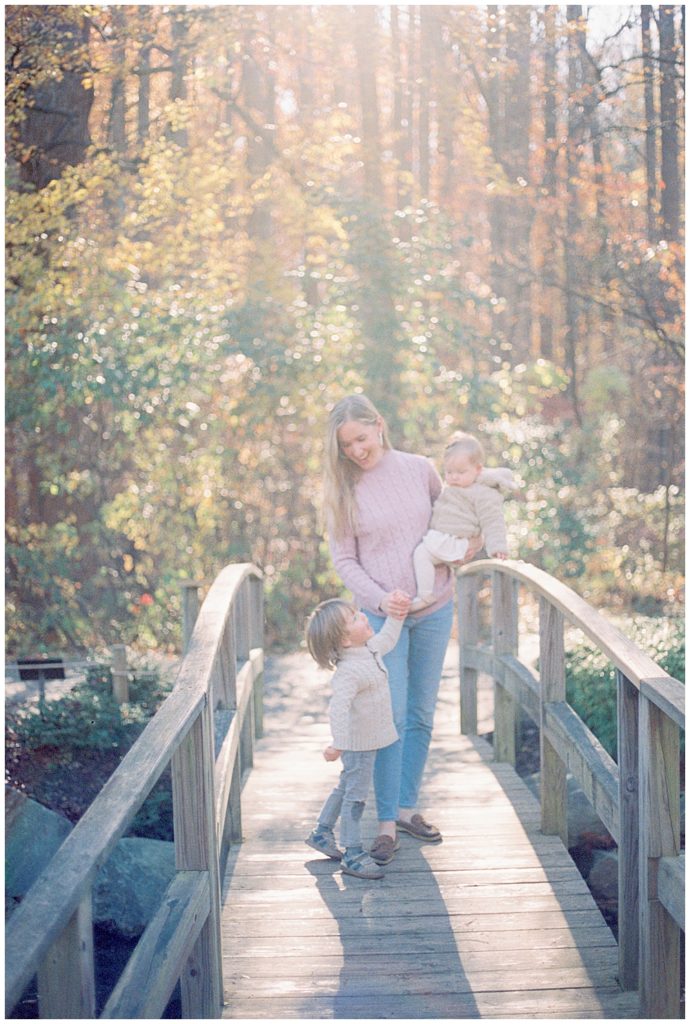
column 222, row 218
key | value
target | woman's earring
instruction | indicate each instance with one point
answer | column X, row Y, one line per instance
column 380, row 437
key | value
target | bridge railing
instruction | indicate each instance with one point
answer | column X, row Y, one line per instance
column 637, row 799
column 205, row 731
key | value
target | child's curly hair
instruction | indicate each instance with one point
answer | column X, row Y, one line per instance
column 325, row 631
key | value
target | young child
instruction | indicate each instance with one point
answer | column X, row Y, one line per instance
column 470, row 503
column 339, row 636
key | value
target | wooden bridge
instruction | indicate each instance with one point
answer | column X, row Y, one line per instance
column 493, row 922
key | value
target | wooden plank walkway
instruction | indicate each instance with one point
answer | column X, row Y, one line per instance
column 493, row 922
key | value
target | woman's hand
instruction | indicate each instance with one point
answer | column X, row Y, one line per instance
column 331, row 754
column 396, row 604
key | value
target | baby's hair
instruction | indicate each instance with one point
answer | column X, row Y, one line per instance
column 325, row 631
column 468, row 445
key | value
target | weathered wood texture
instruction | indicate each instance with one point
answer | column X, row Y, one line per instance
column 494, row 921
column 50, row 932
column 638, row 799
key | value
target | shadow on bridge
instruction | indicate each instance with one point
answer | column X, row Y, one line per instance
column 493, row 921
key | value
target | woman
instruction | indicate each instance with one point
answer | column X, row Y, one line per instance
column 378, row 506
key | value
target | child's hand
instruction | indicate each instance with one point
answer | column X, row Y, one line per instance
column 500, row 554
column 397, row 604
column 331, row 754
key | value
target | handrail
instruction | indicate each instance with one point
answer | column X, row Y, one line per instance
column 50, row 933
column 638, row 799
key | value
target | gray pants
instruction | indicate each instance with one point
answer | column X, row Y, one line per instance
column 349, row 796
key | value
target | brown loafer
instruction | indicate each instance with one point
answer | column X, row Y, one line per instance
column 420, row 829
column 383, row 849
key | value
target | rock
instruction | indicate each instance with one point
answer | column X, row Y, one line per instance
column 603, row 875
column 32, row 835
column 582, row 818
column 130, row 885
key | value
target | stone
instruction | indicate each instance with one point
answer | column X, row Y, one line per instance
column 603, row 875
column 33, row 833
column 130, row 885
column 582, row 818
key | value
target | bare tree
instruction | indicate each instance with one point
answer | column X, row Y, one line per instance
column 670, row 195
column 650, row 123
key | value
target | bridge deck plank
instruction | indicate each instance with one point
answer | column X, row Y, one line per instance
column 493, row 922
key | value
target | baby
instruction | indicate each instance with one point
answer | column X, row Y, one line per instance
column 470, row 503
column 339, row 636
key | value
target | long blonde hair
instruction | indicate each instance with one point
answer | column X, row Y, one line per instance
column 340, row 474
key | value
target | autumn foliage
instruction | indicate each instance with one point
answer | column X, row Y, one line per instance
column 220, row 219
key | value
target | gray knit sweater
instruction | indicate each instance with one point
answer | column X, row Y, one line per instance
column 361, row 713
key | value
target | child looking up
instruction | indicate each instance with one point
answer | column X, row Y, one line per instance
column 339, row 636
column 471, row 502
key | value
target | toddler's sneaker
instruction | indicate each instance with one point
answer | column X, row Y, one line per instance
column 324, row 842
column 360, row 865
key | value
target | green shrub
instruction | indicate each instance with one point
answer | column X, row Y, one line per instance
column 84, row 719
column 88, row 717
column 591, row 679
column 88, row 720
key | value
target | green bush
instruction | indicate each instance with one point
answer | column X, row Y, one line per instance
column 591, row 679
column 88, row 720
column 88, row 717
column 85, row 719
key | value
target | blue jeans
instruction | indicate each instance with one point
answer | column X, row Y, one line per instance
column 347, row 799
column 414, row 673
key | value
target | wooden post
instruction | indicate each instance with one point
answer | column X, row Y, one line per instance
column 247, row 739
column 66, row 986
column 468, row 628
column 228, row 666
column 256, row 594
column 242, row 624
column 628, row 839
column 659, row 837
column 554, row 791
column 190, row 611
column 504, row 634
column 120, row 674
column 196, row 850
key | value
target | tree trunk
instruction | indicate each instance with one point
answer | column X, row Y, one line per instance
column 53, row 132
column 498, row 207
column 575, row 126
column 144, row 72
column 650, row 125
column 426, row 18
column 366, row 49
column 517, row 106
column 397, row 126
column 117, row 130
column 548, row 184
column 447, row 89
column 179, row 58
column 670, row 196
column 258, row 95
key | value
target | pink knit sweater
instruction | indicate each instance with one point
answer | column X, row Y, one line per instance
column 394, row 502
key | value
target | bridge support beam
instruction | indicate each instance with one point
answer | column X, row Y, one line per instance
column 504, row 634
column 554, row 791
column 659, row 837
column 628, row 839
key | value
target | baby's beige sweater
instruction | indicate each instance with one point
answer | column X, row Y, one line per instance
column 467, row 511
column 361, row 712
